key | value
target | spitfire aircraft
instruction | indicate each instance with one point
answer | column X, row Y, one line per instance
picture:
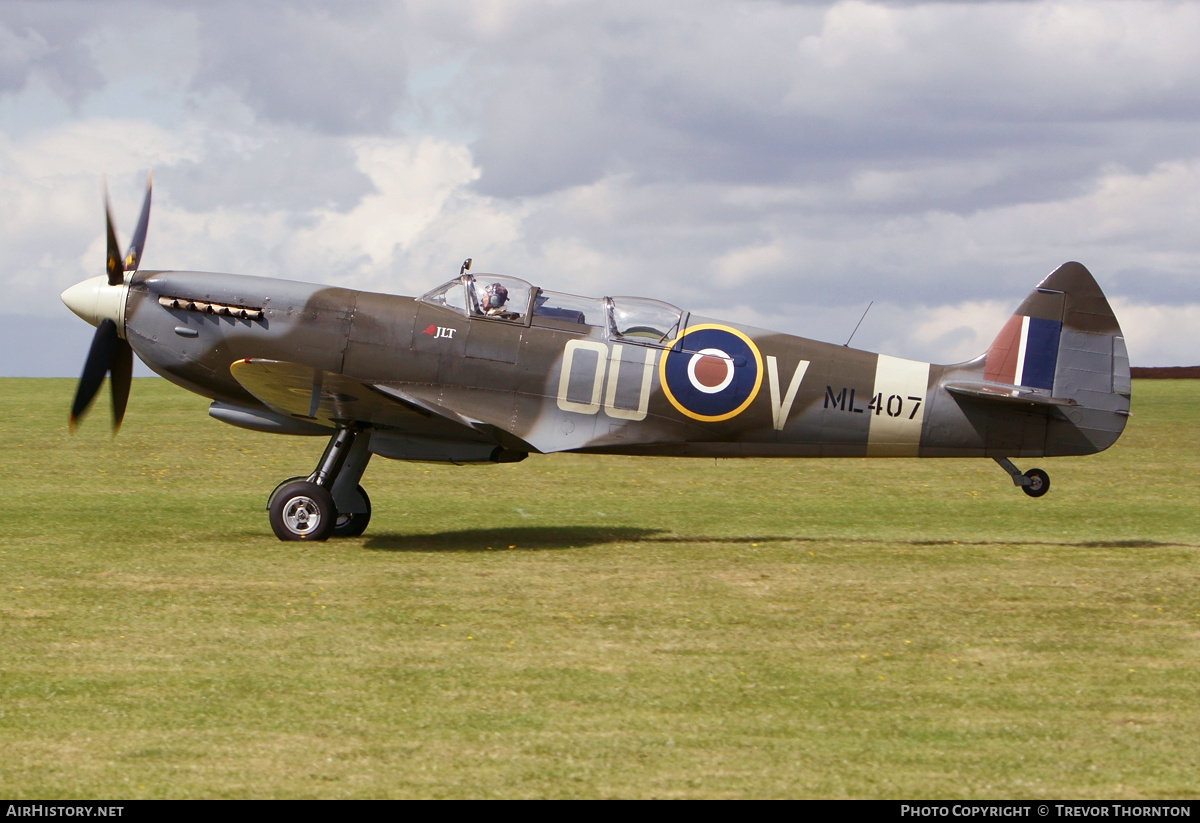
column 488, row 367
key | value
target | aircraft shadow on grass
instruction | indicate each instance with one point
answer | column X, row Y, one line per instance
column 1072, row 544
column 555, row 538
column 563, row 538
column 521, row 538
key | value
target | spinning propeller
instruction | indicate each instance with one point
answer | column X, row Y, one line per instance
column 104, row 306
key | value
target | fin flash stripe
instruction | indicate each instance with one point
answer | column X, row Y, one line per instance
column 1025, row 353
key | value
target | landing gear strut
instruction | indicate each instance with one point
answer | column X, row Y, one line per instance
column 1034, row 482
column 329, row 502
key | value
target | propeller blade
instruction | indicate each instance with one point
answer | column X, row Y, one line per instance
column 133, row 257
column 112, row 265
column 99, row 361
column 122, row 375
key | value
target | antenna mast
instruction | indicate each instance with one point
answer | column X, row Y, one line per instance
column 864, row 317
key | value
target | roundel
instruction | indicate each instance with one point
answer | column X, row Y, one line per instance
column 711, row 372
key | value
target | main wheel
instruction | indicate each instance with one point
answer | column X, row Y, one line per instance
column 1039, row 483
column 279, row 486
column 355, row 523
column 301, row 510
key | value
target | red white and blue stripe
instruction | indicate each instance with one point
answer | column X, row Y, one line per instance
column 1025, row 353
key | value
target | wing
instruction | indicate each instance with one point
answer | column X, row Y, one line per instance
column 327, row 399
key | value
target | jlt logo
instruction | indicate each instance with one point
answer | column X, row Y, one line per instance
column 440, row 331
column 592, row 390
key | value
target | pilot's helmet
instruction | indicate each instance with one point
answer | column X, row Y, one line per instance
column 494, row 296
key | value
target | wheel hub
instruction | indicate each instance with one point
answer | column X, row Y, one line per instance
column 302, row 515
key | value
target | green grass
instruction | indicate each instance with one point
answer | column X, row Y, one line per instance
column 583, row 626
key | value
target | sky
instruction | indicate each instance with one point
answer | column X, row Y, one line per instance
column 781, row 164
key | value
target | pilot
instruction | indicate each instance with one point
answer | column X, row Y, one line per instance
column 494, row 298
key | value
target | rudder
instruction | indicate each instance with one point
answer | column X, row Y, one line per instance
column 1064, row 342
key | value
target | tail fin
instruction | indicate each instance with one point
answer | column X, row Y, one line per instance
column 1064, row 345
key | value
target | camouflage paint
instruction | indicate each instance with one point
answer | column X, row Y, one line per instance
column 433, row 382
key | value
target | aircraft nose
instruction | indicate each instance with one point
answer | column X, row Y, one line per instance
column 94, row 300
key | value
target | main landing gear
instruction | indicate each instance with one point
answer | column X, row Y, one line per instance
column 1034, row 482
column 329, row 502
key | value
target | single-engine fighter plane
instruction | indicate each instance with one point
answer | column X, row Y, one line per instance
column 488, row 367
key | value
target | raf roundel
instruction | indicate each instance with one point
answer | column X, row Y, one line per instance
column 711, row 372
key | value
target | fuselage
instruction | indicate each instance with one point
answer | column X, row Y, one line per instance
column 557, row 380
column 492, row 368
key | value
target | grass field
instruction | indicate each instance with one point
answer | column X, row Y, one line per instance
column 582, row 626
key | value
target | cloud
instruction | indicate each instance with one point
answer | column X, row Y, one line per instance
column 256, row 169
column 778, row 94
column 1167, row 335
column 338, row 68
column 777, row 163
column 18, row 53
column 48, row 41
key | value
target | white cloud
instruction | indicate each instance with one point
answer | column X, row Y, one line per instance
column 17, row 52
column 1161, row 335
column 780, row 164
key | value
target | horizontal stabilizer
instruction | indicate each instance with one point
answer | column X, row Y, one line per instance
column 1007, row 394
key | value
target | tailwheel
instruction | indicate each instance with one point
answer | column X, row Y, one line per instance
column 355, row 523
column 302, row 510
column 1039, row 483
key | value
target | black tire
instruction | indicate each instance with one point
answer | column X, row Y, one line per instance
column 352, row 525
column 1039, row 483
column 279, row 486
column 301, row 510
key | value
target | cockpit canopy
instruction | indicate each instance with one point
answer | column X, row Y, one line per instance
column 642, row 320
column 501, row 298
column 498, row 296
